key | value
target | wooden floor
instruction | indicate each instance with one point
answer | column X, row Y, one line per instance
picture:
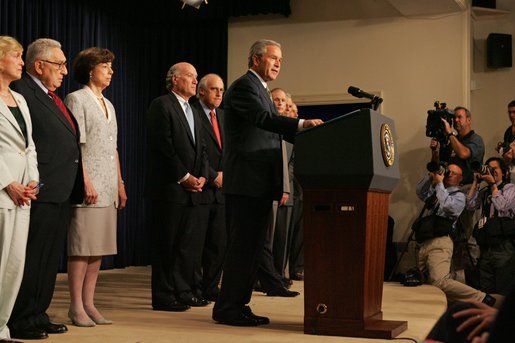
column 123, row 295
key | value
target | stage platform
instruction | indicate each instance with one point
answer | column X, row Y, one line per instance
column 123, row 295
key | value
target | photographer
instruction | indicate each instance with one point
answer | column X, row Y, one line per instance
column 509, row 134
column 435, row 244
column 506, row 150
column 467, row 146
column 495, row 231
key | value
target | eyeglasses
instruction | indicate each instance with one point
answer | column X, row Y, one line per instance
column 452, row 172
column 511, row 112
column 60, row 65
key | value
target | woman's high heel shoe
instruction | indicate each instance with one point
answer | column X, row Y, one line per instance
column 102, row 321
column 85, row 323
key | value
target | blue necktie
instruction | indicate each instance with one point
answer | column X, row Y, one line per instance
column 189, row 117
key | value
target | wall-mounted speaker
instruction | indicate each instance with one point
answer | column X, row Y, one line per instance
column 483, row 3
column 498, row 50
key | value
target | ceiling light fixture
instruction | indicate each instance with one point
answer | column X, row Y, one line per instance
column 193, row 3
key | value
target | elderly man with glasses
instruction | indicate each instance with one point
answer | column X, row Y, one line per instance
column 56, row 137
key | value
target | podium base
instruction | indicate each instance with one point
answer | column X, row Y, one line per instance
column 368, row 328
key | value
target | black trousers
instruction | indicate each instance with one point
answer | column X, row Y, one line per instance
column 176, row 248
column 267, row 274
column 209, row 271
column 47, row 232
column 282, row 235
column 248, row 219
column 296, row 244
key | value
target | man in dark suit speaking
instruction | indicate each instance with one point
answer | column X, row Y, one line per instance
column 252, row 177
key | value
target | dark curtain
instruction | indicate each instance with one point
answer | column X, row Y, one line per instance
column 146, row 39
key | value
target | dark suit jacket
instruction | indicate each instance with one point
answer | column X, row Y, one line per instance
column 214, row 153
column 57, row 146
column 252, row 149
column 172, row 152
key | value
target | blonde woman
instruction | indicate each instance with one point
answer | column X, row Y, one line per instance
column 18, row 179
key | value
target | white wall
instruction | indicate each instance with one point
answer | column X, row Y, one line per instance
column 495, row 87
column 413, row 62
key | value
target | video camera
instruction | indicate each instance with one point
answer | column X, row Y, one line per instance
column 435, row 127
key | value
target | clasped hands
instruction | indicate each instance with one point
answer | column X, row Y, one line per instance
column 193, row 184
column 22, row 195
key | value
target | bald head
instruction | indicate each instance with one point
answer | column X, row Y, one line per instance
column 211, row 90
column 182, row 79
column 279, row 98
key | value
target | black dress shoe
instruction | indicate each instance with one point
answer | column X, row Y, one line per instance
column 282, row 292
column 32, row 333
column 193, row 301
column 211, row 297
column 259, row 319
column 53, row 328
column 297, row 276
column 173, row 306
column 239, row 320
column 259, row 289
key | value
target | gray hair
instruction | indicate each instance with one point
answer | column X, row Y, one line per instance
column 40, row 49
column 259, row 49
column 174, row 70
column 203, row 82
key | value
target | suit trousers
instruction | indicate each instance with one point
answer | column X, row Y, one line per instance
column 296, row 239
column 434, row 259
column 282, row 236
column 209, row 271
column 47, row 232
column 267, row 274
column 14, row 230
column 175, row 248
column 248, row 219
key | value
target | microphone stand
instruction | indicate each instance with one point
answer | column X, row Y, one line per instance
column 376, row 102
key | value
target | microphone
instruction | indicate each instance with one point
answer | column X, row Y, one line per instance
column 358, row 93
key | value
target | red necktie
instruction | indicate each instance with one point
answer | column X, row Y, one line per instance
column 216, row 129
column 63, row 108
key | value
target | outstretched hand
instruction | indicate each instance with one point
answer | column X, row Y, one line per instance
column 478, row 318
column 311, row 123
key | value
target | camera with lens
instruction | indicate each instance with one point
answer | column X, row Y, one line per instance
column 438, row 168
column 482, row 169
column 435, row 128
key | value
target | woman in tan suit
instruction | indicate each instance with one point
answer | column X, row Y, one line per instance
column 18, row 179
column 92, row 232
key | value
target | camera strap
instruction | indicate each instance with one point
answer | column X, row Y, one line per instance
column 487, row 201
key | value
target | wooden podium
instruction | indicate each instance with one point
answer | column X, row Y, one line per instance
column 347, row 168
